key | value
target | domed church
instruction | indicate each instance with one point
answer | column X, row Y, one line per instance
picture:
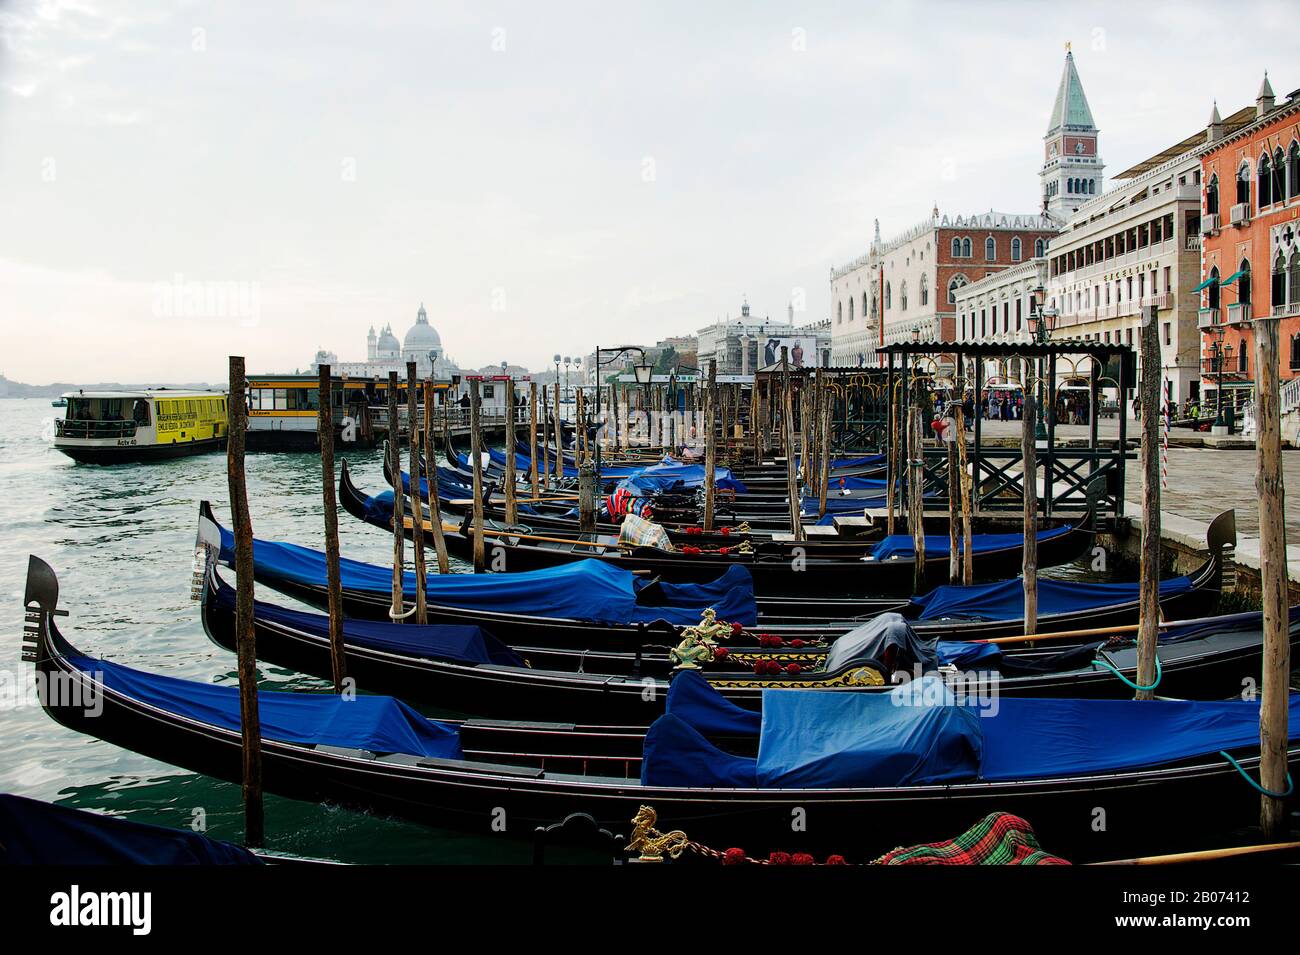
column 384, row 353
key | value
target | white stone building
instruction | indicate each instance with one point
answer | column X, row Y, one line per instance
column 422, row 345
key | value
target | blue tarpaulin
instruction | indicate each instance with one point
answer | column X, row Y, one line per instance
column 1005, row 600
column 379, row 724
column 915, row 734
column 456, row 643
column 899, row 546
column 668, row 477
column 588, row 590
column 39, row 833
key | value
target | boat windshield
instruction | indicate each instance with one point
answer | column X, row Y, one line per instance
column 103, row 417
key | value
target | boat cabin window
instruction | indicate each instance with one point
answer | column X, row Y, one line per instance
column 97, row 409
column 140, row 413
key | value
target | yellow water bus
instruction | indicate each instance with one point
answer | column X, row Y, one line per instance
column 110, row 427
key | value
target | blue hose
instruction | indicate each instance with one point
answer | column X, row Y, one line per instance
column 1290, row 788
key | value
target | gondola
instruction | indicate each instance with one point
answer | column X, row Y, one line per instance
column 1155, row 766
column 464, row 668
column 779, row 568
column 947, row 612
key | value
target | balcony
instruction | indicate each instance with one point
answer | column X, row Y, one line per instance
column 1207, row 318
column 1193, row 244
column 1287, row 310
column 1240, row 214
column 1239, row 313
column 1209, row 223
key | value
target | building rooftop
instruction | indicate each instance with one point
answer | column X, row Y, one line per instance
column 1071, row 107
column 1236, row 121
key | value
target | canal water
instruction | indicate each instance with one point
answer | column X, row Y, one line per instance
column 121, row 539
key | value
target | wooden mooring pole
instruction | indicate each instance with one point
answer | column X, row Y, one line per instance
column 1274, row 692
column 710, row 445
column 915, row 492
column 1029, row 478
column 532, row 439
column 512, row 509
column 334, row 584
column 476, row 452
column 967, row 503
column 245, row 640
column 396, row 611
column 787, row 430
column 824, row 445
column 1149, row 573
column 435, row 508
column 417, row 508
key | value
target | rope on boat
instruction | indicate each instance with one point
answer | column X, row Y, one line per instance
column 400, row 616
column 1107, row 665
column 1290, row 787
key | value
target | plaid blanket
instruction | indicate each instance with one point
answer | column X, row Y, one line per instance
column 638, row 532
column 998, row 839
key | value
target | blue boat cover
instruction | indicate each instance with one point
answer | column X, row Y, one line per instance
column 899, row 546
column 916, row 734
column 40, row 833
column 812, row 740
column 692, row 700
column 667, row 477
column 588, row 590
column 458, row 644
column 1005, row 600
column 379, row 724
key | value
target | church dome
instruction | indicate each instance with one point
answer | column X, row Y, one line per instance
column 388, row 342
column 422, row 338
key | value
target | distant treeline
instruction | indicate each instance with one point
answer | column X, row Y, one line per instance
column 16, row 389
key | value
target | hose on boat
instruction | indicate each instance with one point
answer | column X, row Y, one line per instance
column 401, row 616
column 1290, row 787
column 1107, row 665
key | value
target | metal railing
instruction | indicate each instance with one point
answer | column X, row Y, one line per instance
column 94, row 429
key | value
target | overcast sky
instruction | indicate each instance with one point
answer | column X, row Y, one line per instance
column 545, row 177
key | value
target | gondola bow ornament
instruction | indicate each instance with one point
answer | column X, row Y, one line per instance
column 700, row 642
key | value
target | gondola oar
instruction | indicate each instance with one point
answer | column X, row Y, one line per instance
column 1204, row 855
column 1094, row 632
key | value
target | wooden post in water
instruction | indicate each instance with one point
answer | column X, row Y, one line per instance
column 532, row 438
column 250, row 730
column 710, row 446
column 891, row 479
column 915, row 496
column 967, row 503
column 755, row 425
column 1149, row 585
column 435, row 508
column 954, row 494
column 476, row 452
column 823, row 442
column 1273, row 729
column 417, row 508
column 559, row 437
column 512, row 509
column 546, row 441
column 1029, row 478
column 787, row 429
column 396, row 611
column 334, row 584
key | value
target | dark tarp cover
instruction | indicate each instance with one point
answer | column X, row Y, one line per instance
column 692, row 700
column 669, row 477
column 39, row 833
column 459, row 644
column 887, row 639
column 900, row 545
column 379, row 724
column 1005, row 600
column 676, row 754
column 583, row 590
column 821, row 740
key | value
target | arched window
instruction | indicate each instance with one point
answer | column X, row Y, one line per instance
column 850, row 310
column 1293, row 170
column 1243, row 357
column 1295, row 352
column 889, row 303
column 1293, row 280
column 1212, row 290
column 990, row 249
column 965, row 248
column 1092, row 187
column 839, row 313
column 1015, row 249
column 1265, row 181
column 1039, row 248
column 865, row 313
column 956, row 247
column 902, row 296
column 956, row 282
column 1243, row 283
column 1279, row 176
column 1278, row 287
column 925, row 291
column 1212, row 196
column 1243, row 184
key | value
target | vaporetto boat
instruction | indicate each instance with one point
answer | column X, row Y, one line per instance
column 114, row 427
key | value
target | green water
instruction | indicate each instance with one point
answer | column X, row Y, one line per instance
column 121, row 540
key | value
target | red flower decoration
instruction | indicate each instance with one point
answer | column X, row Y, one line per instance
column 836, row 860
column 720, row 653
column 733, row 856
column 779, row 858
column 695, row 530
column 793, row 669
column 737, row 629
column 796, row 643
column 688, row 549
column 726, row 531
column 802, row 858
column 724, row 550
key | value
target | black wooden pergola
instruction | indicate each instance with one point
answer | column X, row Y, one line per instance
column 1068, row 472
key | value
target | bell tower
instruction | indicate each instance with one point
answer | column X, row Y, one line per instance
column 1072, row 170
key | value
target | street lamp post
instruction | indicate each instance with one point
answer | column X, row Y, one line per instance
column 641, row 369
column 1042, row 322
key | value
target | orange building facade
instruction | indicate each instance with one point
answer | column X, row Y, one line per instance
column 1250, row 261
